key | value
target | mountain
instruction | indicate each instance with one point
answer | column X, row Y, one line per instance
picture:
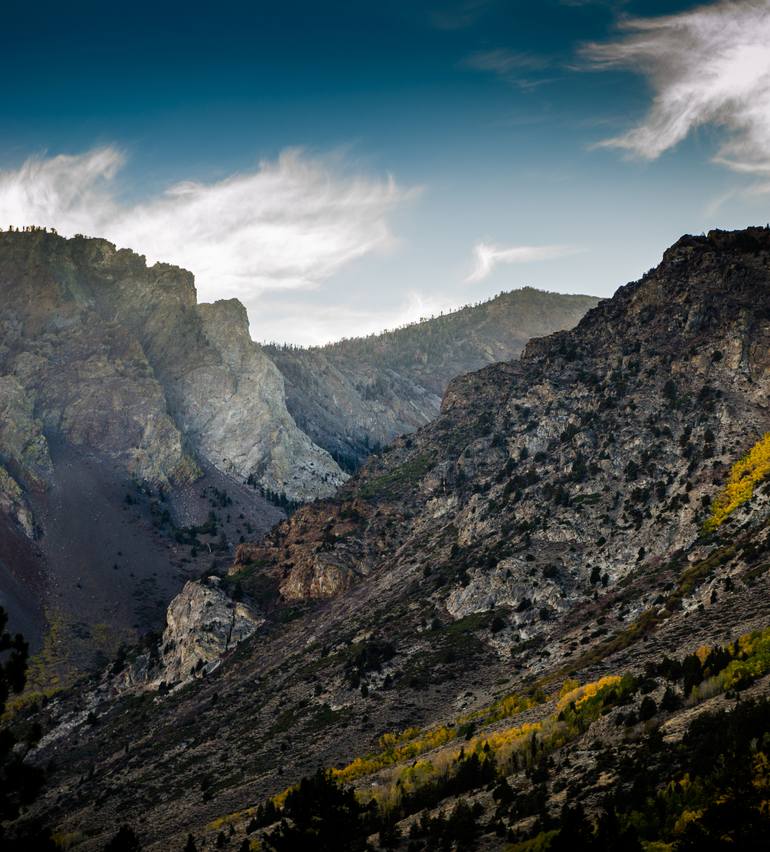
column 542, row 617
column 131, row 417
column 358, row 394
column 119, row 358
column 139, row 431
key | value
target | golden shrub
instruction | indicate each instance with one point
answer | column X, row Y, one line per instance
column 746, row 473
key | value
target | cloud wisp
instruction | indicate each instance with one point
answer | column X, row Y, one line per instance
column 289, row 224
column 458, row 16
column 487, row 257
column 707, row 66
column 518, row 68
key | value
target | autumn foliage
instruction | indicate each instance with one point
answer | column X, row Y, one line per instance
column 746, row 473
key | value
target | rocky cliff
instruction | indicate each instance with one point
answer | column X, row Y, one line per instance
column 508, row 581
column 357, row 395
column 119, row 358
column 202, row 625
column 130, row 417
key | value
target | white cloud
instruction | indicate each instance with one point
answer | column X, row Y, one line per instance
column 288, row 224
column 487, row 256
column 710, row 65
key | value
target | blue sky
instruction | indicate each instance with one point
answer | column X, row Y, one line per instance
column 420, row 138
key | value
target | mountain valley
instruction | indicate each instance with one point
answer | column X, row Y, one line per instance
column 522, row 624
column 144, row 435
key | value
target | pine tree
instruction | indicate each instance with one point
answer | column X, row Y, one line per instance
column 20, row 782
column 124, row 841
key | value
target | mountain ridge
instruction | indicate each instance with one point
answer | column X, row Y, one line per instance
column 142, row 437
column 358, row 394
column 548, row 525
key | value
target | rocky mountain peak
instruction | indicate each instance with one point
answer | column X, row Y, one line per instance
column 700, row 283
column 86, row 320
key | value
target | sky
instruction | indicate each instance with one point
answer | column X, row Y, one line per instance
column 345, row 167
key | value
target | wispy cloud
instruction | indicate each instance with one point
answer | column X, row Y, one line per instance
column 287, row 224
column 513, row 66
column 487, row 256
column 710, row 65
column 458, row 16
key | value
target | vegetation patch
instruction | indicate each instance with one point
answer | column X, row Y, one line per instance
column 406, row 474
column 746, row 473
column 416, row 770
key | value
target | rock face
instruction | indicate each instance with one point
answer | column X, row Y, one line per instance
column 118, row 358
column 21, row 434
column 326, row 568
column 548, row 524
column 357, row 395
column 14, row 505
column 203, row 623
column 234, row 412
column 117, row 393
column 70, row 362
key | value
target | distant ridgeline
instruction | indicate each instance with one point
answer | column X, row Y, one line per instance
column 354, row 396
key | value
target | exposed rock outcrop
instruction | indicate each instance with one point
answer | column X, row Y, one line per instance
column 14, row 504
column 203, row 623
column 234, row 412
column 84, row 374
column 118, row 358
column 22, row 443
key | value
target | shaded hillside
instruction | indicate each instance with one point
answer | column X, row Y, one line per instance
column 506, row 582
column 117, row 435
column 357, row 395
